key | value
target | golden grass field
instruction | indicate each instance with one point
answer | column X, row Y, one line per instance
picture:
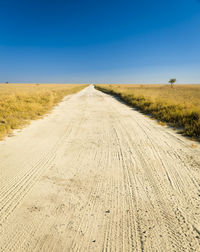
column 179, row 106
column 20, row 103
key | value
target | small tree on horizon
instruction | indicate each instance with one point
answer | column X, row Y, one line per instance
column 172, row 82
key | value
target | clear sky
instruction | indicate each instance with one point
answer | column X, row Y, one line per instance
column 100, row 41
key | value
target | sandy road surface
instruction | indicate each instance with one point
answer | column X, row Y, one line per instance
column 95, row 175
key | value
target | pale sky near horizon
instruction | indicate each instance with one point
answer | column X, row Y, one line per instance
column 121, row 41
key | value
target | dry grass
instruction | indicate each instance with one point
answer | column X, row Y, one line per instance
column 178, row 106
column 20, row 103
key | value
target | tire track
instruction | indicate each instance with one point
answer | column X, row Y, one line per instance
column 99, row 176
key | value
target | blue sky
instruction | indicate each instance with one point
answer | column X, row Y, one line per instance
column 116, row 41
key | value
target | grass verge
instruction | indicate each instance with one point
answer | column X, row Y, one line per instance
column 179, row 106
column 20, row 103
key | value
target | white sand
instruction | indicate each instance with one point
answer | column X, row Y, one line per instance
column 95, row 175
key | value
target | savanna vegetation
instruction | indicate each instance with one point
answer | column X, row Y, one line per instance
column 20, row 103
column 178, row 106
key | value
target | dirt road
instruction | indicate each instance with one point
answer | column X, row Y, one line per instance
column 95, row 175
